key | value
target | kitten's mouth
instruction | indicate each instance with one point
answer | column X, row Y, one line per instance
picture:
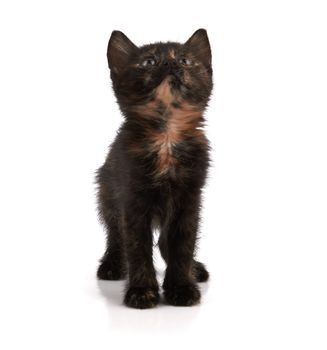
column 174, row 81
column 177, row 84
column 170, row 85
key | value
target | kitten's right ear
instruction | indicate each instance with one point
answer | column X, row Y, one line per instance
column 119, row 50
column 199, row 44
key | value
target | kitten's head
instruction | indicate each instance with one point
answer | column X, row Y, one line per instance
column 137, row 72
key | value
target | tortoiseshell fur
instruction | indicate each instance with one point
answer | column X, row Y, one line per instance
column 156, row 167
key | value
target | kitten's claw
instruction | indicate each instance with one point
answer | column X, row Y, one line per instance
column 141, row 298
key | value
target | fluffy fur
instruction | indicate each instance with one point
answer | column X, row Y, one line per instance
column 156, row 167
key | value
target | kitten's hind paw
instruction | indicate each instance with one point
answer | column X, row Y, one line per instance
column 187, row 295
column 108, row 271
column 200, row 272
column 141, row 298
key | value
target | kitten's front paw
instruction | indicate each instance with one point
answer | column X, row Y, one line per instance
column 141, row 298
column 187, row 295
column 110, row 271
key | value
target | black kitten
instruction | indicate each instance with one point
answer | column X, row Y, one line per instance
column 156, row 167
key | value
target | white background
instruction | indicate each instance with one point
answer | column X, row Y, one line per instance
column 264, row 218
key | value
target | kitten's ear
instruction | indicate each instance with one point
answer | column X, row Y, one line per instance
column 119, row 50
column 199, row 45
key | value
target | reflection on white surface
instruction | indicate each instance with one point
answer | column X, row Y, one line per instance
column 157, row 319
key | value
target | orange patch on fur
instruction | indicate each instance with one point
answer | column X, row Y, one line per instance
column 163, row 92
column 184, row 119
column 162, row 144
column 172, row 53
column 147, row 109
column 182, row 122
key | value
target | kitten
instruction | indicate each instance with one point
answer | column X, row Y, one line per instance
column 156, row 167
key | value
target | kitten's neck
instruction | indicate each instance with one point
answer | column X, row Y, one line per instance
column 158, row 116
column 165, row 115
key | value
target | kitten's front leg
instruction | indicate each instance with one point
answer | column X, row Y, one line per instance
column 142, row 288
column 179, row 286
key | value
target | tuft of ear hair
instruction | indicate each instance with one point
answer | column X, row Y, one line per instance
column 119, row 50
column 199, row 44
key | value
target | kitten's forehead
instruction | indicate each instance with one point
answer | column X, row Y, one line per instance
column 167, row 49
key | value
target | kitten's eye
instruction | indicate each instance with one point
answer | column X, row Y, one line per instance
column 185, row 61
column 148, row 62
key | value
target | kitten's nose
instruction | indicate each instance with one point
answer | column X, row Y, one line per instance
column 170, row 63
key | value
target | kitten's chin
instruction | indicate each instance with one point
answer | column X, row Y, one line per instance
column 174, row 81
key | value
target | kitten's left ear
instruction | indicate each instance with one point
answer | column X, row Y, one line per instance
column 119, row 51
column 199, row 45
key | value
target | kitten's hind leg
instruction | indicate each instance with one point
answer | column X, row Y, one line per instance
column 112, row 264
column 200, row 272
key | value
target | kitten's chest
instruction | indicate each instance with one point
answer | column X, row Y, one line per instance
column 163, row 146
column 172, row 132
column 174, row 148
